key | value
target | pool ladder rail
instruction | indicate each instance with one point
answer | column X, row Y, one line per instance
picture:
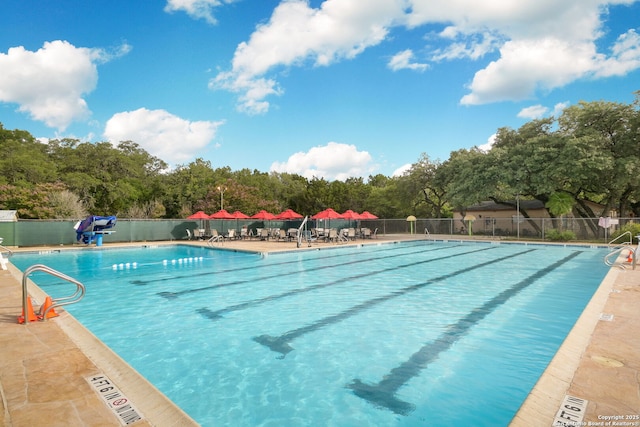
column 48, row 308
column 617, row 246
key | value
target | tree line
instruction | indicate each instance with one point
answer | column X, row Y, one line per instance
column 589, row 154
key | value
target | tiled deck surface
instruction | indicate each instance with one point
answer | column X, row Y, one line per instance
column 44, row 365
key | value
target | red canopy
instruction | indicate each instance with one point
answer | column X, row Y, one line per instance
column 349, row 214
column 263, row 215
column 367, row 215
column 222, row 214
column 239, row 215
column 198, row 215
column 288, row 214
column 327, row 214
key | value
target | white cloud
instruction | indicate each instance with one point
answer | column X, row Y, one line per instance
column 297, row 33
column 334, row 161
column 402, row 170
column 164, row 135
column 540, row 45
column 50, row 83
column 533, row 112
column 490, row 141
column 198, row 9
column 559, row 108
column 403, row 60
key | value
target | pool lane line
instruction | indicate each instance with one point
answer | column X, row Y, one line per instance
column 173, row 295
column 383, row 394
column 281, row 344
column 217, row 314
column 296, row 261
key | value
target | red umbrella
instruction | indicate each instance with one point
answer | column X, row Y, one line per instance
column 239, row 215
column 288, row 214
column 221, row 214
column 198, row 215
column 349, row 214
column 367, row 215
column 264, row 215
column 327, row 214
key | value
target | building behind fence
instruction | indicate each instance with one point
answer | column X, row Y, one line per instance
column 61, row 232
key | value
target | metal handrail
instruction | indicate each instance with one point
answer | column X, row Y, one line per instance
column 304, row 222
column 58, row 302
column 622, row 243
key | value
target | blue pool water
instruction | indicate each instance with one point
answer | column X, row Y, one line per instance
column 405, row 334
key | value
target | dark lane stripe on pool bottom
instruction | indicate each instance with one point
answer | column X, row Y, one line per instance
column 383, row 394
column 217, row 314
column 281, row 344
column 172, row 295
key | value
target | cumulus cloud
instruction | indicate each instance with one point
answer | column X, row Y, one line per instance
column 404, row 60
column 402, row 170
column 334, row 161
column 164, row 135
column 296, row 34
column 540, row 45
column 489, row 144
column 198, row 9
column 50, row 83
column 533, row 112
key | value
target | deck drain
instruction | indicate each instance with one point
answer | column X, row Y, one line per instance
column 607, row 361
column 608, row 317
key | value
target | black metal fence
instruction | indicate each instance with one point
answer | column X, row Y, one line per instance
column 60, row 232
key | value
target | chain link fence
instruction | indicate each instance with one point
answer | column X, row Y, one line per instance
column 58, row 232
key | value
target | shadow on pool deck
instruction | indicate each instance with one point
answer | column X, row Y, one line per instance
column 44, row 366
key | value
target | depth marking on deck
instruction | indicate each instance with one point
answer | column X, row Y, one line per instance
column 383, row 394
column 111, row 395
column 571, row 412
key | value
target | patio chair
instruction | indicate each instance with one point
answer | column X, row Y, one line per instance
column 351, row 234
column 231, row 234
column 366, row 233
column 264, row 234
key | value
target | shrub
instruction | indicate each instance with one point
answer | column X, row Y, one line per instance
column 632, row 227
column 561, row 236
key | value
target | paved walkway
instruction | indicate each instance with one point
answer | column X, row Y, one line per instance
column 51, row 372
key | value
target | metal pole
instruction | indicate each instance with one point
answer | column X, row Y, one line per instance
column 221, row 189
column 518, row 214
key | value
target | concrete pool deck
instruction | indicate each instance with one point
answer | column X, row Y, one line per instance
column 46, row 368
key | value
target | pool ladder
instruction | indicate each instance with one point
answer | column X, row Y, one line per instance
column 58, row 302
column 617, row 246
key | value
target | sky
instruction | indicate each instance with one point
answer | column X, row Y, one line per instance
column 329, row 89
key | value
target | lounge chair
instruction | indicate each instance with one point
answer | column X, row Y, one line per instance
column 366, row 233
column 264, row 234
column 189, row 236
column 351, row 234
column 231, row 234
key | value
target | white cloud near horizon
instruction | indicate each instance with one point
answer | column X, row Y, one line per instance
column 541, row 44
column 197, row 9
column 50, row 83
column 538, row 111
column 164, row 135
column 334, row 161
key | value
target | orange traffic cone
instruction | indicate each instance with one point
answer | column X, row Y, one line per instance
column 630, row 256
column 48, row 303
column 31, row 314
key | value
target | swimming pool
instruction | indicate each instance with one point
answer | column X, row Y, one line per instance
column 417, row 333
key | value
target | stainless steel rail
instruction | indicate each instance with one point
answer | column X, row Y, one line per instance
column 57, row 302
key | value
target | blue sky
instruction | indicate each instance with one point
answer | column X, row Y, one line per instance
column 332, row 89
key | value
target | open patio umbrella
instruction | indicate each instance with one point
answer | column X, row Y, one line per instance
column 198, row 215
column 239, row 215
column 328, row 214
column 221, row 214
column 264, row 215
column 349, row 214
column 289, row 214
column 367, row 215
